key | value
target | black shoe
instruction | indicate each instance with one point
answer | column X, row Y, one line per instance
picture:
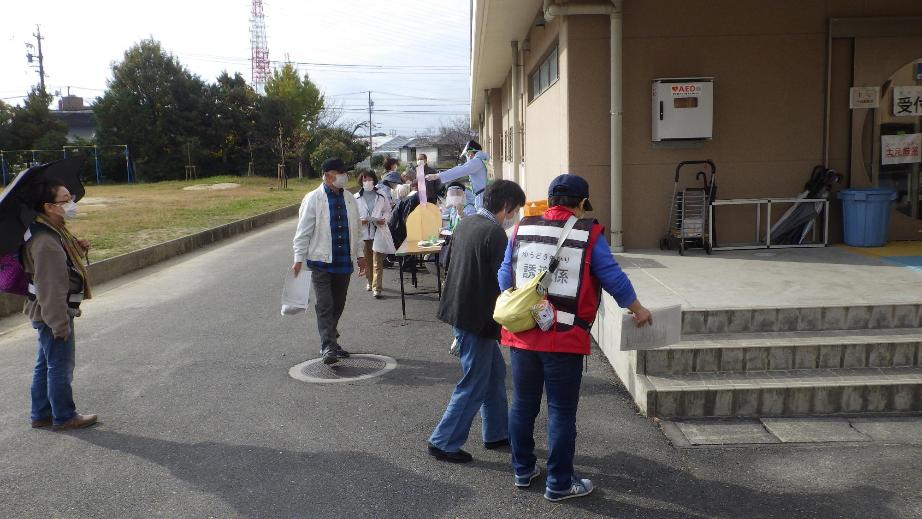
column 342, row 354
column 329, row 357
column 498, row 444
column 451, row 457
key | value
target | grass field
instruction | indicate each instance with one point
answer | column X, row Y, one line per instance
column 126, row 217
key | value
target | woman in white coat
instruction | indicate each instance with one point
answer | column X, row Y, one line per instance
column 374, row 203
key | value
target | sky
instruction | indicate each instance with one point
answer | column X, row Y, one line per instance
column 412, row 55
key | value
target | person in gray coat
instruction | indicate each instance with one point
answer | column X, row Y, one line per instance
column 53, row 260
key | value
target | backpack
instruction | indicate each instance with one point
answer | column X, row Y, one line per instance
column 12, row 276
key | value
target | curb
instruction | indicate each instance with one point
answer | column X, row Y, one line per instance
column 111, row 268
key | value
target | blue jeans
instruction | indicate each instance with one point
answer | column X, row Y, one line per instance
column 483, row 387
column 560, row 374
column 52, row 396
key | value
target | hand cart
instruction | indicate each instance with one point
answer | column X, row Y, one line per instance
column 688, row 225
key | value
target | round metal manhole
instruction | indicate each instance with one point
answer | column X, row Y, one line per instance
column 360, row 366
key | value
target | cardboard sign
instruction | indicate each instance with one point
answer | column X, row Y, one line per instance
column 900, row 149
column 666, row 330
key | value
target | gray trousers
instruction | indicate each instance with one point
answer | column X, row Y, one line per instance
column 330, row 299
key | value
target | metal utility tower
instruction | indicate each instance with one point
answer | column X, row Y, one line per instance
column 259, row 59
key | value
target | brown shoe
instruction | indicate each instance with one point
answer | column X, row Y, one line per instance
column 38, row 424
column 79, row 421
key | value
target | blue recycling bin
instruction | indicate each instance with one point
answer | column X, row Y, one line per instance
column 866, row 215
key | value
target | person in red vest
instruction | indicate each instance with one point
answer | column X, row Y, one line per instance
column 552, row 360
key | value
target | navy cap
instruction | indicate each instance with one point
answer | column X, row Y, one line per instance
column 570, row 185
column 333, row 164
column 393, row 177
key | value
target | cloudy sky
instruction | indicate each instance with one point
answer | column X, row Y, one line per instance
column 413, row 55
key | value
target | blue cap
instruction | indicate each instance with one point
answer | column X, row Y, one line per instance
column 393, row 177
column 570, row 185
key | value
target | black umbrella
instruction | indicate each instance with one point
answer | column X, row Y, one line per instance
column 16, row 213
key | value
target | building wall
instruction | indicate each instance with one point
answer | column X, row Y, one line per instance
column 588, row 80
column 768, row 59
column 546, row 117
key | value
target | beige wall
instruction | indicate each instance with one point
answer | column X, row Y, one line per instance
column 588, row 79
column 546, row 117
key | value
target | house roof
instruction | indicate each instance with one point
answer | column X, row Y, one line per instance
column 392, row 145
column 419, row 142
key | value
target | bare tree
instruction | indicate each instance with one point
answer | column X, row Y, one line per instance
column 455, row 134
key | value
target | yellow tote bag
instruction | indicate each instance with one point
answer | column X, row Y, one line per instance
column 513, row 306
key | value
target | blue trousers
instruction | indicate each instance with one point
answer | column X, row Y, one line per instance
column 560, row 374
column 52, row 396
column 483, row 388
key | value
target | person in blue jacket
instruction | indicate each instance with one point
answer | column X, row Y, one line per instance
column 477, row 168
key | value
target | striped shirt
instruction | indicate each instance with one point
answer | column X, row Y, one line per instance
column 339, row 231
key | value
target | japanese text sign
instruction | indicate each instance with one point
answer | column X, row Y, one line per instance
column 907, row 101
column 900, row 149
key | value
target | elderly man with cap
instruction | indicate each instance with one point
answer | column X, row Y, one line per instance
column 477, row 168
column 327, row 241
column 551, row 361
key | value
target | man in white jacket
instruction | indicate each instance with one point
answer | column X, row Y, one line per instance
column 328, row 239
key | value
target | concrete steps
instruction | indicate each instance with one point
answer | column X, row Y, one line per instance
column 787, row 362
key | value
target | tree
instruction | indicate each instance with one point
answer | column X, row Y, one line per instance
column 289, row 112
column 32, row 126
column 232, row 109
column 337, row 141
column 154, row 105
column 6, row 119
column 455, row 134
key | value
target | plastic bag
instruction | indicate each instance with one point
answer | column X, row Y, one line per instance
column 296, row 292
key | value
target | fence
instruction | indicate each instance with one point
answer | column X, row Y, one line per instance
column 110, row 162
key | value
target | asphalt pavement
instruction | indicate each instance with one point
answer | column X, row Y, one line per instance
column 187, row 365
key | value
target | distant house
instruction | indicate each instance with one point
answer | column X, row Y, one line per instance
column 78, row 117
column 391, row 148
column 435, row 151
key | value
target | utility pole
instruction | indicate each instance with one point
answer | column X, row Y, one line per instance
column 370, row 105
column 41, row 57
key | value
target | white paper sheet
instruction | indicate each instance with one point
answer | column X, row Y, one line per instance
column 666, row 330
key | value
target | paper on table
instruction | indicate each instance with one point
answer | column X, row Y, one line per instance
column 666, row 330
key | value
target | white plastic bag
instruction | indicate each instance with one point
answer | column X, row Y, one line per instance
column 296, row 292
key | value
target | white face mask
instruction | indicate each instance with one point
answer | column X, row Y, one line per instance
column 368, row 185
column 454, row 200
column 510, row 221
column 340, row 181
column 420, row 162
column 70, row 210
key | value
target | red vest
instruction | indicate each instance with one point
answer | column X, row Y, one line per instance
column 574, row 292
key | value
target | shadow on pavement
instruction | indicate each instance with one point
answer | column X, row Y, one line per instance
column 415, row 373
column 265, row 482
column 627, row 485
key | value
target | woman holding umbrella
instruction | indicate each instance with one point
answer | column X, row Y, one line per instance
column 54, row 262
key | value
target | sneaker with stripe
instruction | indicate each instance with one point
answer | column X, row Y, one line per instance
column 579, row 488
column 525, row 481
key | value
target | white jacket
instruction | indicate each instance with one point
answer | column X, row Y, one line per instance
column 314, row 239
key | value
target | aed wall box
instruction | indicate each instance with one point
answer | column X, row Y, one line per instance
column 683, row 109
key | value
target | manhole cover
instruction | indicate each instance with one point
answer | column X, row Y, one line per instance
column 359, row 366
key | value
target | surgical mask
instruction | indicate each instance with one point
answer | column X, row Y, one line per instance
column 368, row 185
column 509, row 222
column 340, row 181
column 420, row 162
column 454, row 200
column 70, row 210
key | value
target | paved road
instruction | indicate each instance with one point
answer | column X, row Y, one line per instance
column 187, row 366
